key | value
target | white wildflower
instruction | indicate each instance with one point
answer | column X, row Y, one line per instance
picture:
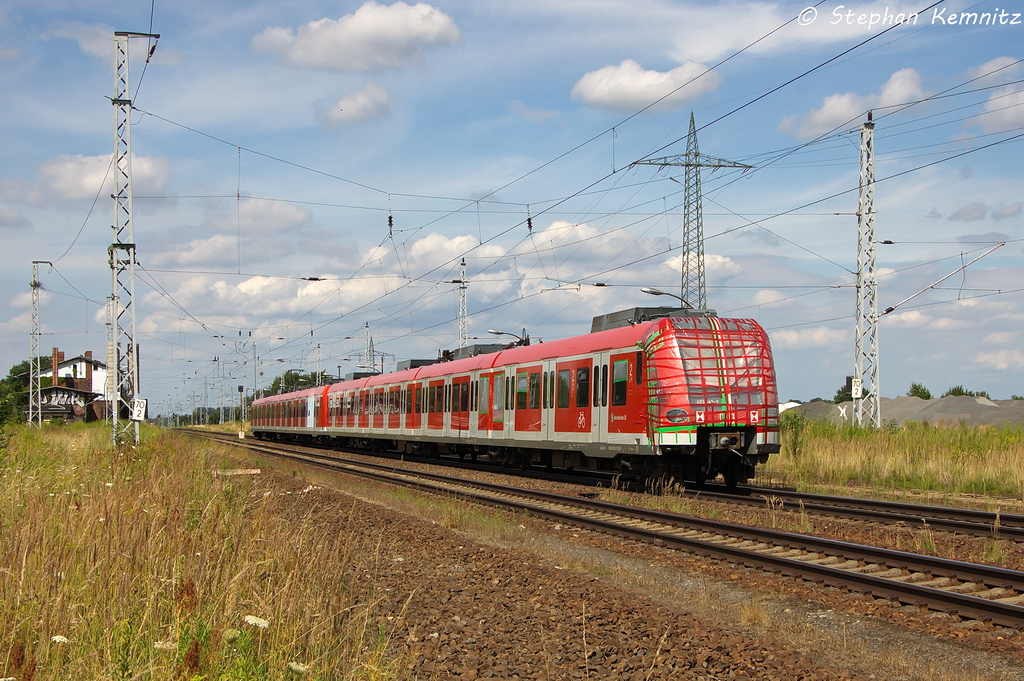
column 298, row 668
column 256, row 621
column 109, row 484
column 59, row 639
column 165, row 645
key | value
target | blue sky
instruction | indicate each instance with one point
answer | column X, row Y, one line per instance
column 272, row 140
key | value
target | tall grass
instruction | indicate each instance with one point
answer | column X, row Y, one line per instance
column 139, row 563
column 957, row 458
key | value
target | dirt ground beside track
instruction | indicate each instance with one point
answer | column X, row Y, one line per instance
column 456, row 607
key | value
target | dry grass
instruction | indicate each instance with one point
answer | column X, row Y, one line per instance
column 957, row 459
column 140, row 564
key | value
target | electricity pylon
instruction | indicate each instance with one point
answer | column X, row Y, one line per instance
column 122, row 342
column 867, row 408
column 693, row 288
column 35, row 398
column 463, row 314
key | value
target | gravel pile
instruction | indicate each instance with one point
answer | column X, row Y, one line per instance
column 949, row 410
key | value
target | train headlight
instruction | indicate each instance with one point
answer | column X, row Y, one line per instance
column 676, row 415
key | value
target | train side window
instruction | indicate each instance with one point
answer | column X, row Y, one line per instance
column 498, row 403
column 472, row 395
column 639, row 368
column 544, row 401
column 522, row 386
column 484, row 391
column 604, row 385
column 620, row 374
column 597, row 385
column 431, row 396
column 508, row 392
column 564, row 376
column 464, row 402
column 534, row 391
column 583, row 387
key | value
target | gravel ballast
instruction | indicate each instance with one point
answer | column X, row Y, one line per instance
column 459, row 608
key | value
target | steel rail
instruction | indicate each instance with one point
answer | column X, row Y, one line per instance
column 545, row 504
column 943, row 519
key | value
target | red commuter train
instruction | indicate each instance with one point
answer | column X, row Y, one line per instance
column 687, row 397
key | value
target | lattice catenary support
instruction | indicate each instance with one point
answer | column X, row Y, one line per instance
column 123, row 349
column 866, row 402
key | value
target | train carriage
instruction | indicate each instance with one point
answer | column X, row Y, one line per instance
column 688, row 397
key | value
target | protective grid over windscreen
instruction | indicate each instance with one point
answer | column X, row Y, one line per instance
column 717, row 371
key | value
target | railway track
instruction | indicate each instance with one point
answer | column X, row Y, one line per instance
column 942, row 519
column 961, row 521
column 965, row 589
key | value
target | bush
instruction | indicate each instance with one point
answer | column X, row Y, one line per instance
column 918, row 390
column 960, row 391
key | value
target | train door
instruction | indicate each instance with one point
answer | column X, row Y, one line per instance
column 323, row 413
column 528, row 399
column 627, row 396
column 491, row 404
column 600, row 386
column 414, row 406
column 364, row 406
column 377, row 408
column 392, row 407
column 435, row 405
column 572, row 398
column 460, row 404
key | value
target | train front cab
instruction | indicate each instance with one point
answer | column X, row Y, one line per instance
column 712, row 403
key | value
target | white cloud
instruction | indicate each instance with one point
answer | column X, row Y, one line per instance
column 768, row 296
column 628, row 87
column 8, row 53
column 716, row 267
column 710, row 31
column 1000, row 338
column 374, row 38
column 520, row 110
column 95, row 40
column 994, row 71
column 1010, row 211
column 258, row 232
column 843, row 109
column 1002, row 360
column 947, row 323
column 1004, row 111
column 797, row 339
column 24, row 298
column 369, row 102
column 970, row 213
column 73, row 177
column 10, row 218
column 910, row 318
column 17, row 326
